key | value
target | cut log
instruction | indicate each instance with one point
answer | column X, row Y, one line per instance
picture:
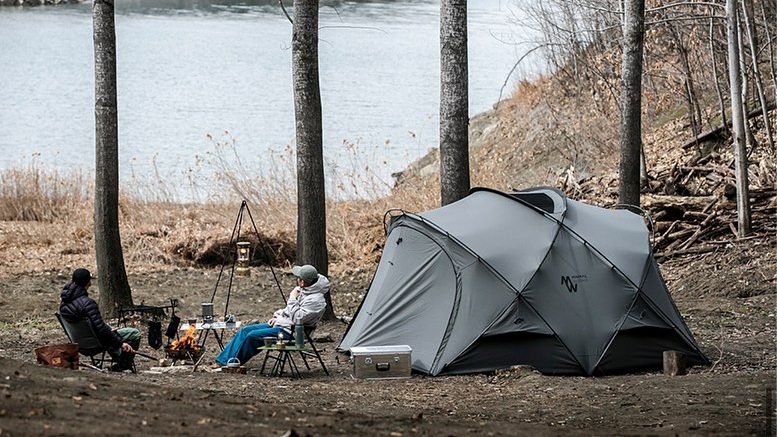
column 680, row 234
column 702, row 229
column 659, row 201
column 695, row 216
column 718, row 133
column 671, row 228
column 674, row 363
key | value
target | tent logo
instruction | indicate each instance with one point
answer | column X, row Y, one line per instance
column 571, row 286
column 571, row 282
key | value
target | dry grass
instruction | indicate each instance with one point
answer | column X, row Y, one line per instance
column 34, row 193
column 46, row 217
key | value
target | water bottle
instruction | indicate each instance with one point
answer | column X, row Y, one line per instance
column 299, row 335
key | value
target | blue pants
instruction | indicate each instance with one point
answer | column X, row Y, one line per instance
column 244, row 344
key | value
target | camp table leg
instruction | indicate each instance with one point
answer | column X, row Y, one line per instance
column 219, row 339
column 277, row 368
column 281, row 364
column 292, row 365
column 264, row 363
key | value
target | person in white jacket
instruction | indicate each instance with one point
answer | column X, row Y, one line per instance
column 306, row 305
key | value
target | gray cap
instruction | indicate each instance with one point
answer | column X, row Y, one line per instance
column 307, row 272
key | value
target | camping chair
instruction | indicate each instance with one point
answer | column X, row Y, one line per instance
column 282, row 357
column 81, row 332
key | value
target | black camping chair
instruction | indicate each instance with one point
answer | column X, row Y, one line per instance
column 282, row 357
column 81, row 332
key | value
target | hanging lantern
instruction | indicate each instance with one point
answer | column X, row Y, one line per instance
column 243, row 256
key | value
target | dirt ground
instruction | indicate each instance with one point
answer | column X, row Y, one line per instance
column 727, row 299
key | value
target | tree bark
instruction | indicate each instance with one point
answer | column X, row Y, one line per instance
column 715, row 77
column 770, row 47
column 747, row 8
column 454, row 102
column 737, row 121
column 749, row 137
column 311, row 196
column 112, row 276
column 694, row 111
column 631, row 101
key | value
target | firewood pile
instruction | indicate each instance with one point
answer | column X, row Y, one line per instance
column 692, row 205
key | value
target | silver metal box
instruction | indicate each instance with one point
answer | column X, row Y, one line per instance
column 381, row 362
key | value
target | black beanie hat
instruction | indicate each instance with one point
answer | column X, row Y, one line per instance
column 82, row 277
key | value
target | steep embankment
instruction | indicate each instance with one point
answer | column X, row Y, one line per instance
column 562, row 131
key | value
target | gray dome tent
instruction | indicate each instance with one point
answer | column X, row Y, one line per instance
column 499, row 279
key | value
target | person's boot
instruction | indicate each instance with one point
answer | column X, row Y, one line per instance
column 125, row 362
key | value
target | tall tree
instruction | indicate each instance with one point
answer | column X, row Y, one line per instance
column 715, row 77
column 112, row 276
column 631, row 101
column 454, row 101
column 311, row 201
column 749, row 21
column 737, row 121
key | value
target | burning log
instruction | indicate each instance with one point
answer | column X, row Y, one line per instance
column 185, row 347
column 185, row 342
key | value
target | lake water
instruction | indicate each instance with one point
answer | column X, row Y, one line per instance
column 190, row 70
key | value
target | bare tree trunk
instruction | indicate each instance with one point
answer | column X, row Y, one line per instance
column 454, row 101
column 694, row 111
column 721, row 101
column 771, row 49
column 311, row 200
column 749, row 137
column 747, row 8
column 631, row 101
column 737, row 121
column 112, row 276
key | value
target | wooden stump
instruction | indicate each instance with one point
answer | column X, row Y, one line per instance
column 674, row 363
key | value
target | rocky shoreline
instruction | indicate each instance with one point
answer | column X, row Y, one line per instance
column 38, row 2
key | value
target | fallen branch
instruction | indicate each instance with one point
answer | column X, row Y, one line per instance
column 719, row 358
column 702, row 229
column 692, row 251
column 718, row 132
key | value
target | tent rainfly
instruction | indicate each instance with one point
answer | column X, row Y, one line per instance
column 499, row 279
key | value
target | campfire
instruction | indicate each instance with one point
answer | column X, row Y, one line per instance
column 185, row 347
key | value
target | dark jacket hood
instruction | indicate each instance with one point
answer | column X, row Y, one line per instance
column 71, row 292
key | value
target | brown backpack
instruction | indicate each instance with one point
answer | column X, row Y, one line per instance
column 58, row 355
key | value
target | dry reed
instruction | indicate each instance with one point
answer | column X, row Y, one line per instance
column 54, row 210
column 33, row 193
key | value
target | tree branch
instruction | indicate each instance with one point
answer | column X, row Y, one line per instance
column 674, row 5
column 280, row 2
column 512, row 70
column 354, row 27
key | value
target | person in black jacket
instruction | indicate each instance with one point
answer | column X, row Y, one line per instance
column 76, row 304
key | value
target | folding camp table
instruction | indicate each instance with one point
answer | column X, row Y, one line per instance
column 217, row 328
column 283, row 358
